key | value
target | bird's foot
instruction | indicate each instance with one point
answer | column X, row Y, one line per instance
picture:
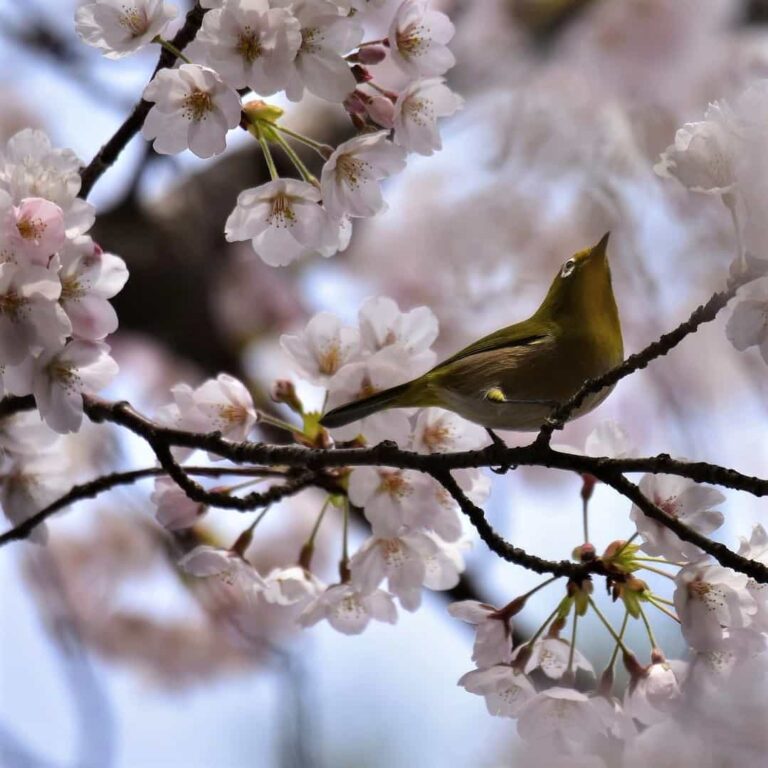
column 500, row 445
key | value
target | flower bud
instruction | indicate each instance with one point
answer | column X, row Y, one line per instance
column 283, row 391
column 261, row 110
column 584, row 553
column 380, row 109
column 361, row 74
column 370, row 55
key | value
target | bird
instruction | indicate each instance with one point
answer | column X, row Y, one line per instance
column 513, row 378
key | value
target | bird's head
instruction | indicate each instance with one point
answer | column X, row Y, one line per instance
column 582, row 285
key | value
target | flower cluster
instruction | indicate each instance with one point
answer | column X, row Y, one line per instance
column 266, row 46
column 55, row 283
column 417, row 534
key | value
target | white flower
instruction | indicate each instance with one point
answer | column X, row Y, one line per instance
column 283, row 220
column 436, row 510
column 361, row 379
column 655, row 695
column 32, row 231
column 222, row 404
column 445, row 565
column 175, row 510
column 120, row 27
column 418, row 40
column 30, row 318
column 686, row 501
column 322, row 348
column 505, row 689
column 326, row 37
column 89, row 277
column 552, row 655
column 193, row 109
column 30, row 167
column 563, row 714
column 249, row 44
column 348, row 611
column 756, row 548
column 25, row 435
column 61, row 378
column 350, row 178
column 416, row 111
column 701, row 158
column 608, row 438
column 748, row 324
column 390, row 497
column 401, row 560
column 710, row 600
column 493, row 639
column 230, row 568
column 383, row 325
column 29, row 484
column 291, row 586
column 440, row 431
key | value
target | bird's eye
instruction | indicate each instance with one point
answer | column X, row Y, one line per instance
column 568, row 268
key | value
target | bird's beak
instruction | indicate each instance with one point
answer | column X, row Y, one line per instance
column 601, row 248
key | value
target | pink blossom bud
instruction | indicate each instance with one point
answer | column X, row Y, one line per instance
column 381, row 110
column 371, row 55
column 354, row 104
column 361, row 74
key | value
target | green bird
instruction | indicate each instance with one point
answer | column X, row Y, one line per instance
column 513, row 378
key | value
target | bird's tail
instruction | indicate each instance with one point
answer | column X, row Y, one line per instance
column 395, row 397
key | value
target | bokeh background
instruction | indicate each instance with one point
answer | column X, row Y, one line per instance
column 107, row 658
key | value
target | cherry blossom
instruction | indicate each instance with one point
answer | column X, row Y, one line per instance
column 418, row 40
column 61, row 378
column 30, row 318
column 33, row 230
column 656, row 693
column 390, row 497
column 89, row 278
column 383, row 324
column 552, row 656
column 701, row 158
column 748, row 324
column 360, row 379
column 347, row 610
column 350, row 178
column 686, row 501
column 291, row 586
column 120, row 27
column 326, row 37
column 193, row 110
column 562, row 714
column 322, row 348
column 31, row 167
column 417, row 109
column 249, row 44
column 444, row 566
column 710, row 600
column 222, row 404
column 175, row 510
column 441, row 431
column 493, row 638
column 506, row 690
column 401, row 560
column 756, row 548
column 283, row 220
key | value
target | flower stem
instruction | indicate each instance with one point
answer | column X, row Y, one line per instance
column 585, row 517
column 541, row 629
column 626, row 544
column 572, row 650
column 619, row 640
column 295, row 159
column 324, row 150
column 316, row 526
column 648, row 629
column 267, row 418
column 344, row 563
column 657, row 571
column 623, row 629
column 671, row 615
column 264, row 144
column 171, row 48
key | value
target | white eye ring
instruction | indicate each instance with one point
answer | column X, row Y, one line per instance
column 568, row 268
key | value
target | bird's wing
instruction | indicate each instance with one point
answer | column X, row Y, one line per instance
column 518, row 335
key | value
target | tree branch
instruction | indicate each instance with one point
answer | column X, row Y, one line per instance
column 109, row 153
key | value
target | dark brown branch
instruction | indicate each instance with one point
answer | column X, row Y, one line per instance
column 662, row 346
column 109, row 153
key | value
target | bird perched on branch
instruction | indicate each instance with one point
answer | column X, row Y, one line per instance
column 513, row 378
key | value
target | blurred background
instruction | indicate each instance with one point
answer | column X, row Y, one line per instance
column 108, row 658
